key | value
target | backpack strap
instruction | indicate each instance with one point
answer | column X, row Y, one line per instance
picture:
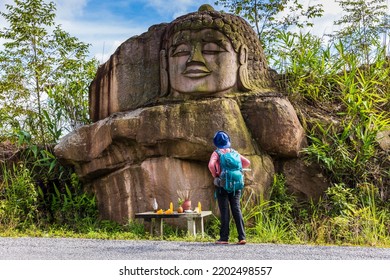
column 218, row 151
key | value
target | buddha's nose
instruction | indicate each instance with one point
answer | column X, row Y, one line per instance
column 196, row 54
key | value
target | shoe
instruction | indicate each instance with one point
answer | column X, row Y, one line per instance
column 241, row 242
column 221, row 242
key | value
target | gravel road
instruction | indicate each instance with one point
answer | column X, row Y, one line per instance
column 92, row 249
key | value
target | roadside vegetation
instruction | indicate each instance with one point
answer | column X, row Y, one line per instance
column 339, row 85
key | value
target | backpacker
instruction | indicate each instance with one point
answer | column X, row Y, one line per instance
column 232, row 177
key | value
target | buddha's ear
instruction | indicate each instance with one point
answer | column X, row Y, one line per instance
column 164, row 79
column 243, row 78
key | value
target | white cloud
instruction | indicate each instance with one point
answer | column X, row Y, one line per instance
column 108, row 49
column 3, row 23
column 70, row 8
column 178, row 7
column 331, row 7
column 104, row 30
column 325, row 24
column 104, row 37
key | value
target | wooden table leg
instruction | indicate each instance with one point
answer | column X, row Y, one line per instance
column 155, row 226
column 150, row 222
column 159, row 226
column 200, row 225
column 191, row 226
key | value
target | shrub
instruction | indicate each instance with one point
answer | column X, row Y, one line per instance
column 18, row 198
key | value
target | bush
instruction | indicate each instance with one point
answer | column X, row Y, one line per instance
column 18, row 198
column 37, row 191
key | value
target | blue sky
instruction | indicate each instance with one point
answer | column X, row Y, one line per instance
column 105, row 24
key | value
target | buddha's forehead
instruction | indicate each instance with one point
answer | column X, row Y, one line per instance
column 230, row 25
column 205, row 35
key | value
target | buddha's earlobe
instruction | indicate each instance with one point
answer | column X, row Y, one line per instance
column 164, row 80
column 243, row 78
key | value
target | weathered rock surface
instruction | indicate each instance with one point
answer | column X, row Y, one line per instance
column 131, row 157
column 176, row 130
column 130, row 78
column 275, row 126
column 304, row 180
column 383, row 138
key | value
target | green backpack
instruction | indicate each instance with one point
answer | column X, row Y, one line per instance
column 232, row 177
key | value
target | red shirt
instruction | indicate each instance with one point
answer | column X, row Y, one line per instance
column 215, row 167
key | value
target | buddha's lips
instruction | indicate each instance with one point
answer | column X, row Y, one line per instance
column 196, row 72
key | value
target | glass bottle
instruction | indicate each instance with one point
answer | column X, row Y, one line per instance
column 154, row 204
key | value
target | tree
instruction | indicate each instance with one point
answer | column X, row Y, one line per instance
column 361, row 26
column 270, row 16
column 44, row 73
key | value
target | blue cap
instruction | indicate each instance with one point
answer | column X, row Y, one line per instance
column 221, row 140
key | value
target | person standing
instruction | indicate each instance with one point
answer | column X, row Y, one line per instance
column 225, row 199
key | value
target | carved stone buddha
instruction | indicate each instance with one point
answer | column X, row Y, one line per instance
column 157, row 103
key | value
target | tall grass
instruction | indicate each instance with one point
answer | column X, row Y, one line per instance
column 351, row 99
column 343, row 105
column 273, row 217
column 18, row 198
column 37, row 192
column 352, row 216
column 343, row 216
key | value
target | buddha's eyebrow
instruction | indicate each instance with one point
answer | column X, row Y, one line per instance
column 212, row 40
column 177, row 44
column 220, row 42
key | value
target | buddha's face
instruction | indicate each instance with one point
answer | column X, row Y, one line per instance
column 202, row 62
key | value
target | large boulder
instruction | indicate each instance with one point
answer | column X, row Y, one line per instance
column 275, row 125
column 129, row 158
column 304, row 180
column 157, row 103
column 383, row 139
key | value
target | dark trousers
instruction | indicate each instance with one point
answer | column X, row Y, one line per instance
column 224, row 200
